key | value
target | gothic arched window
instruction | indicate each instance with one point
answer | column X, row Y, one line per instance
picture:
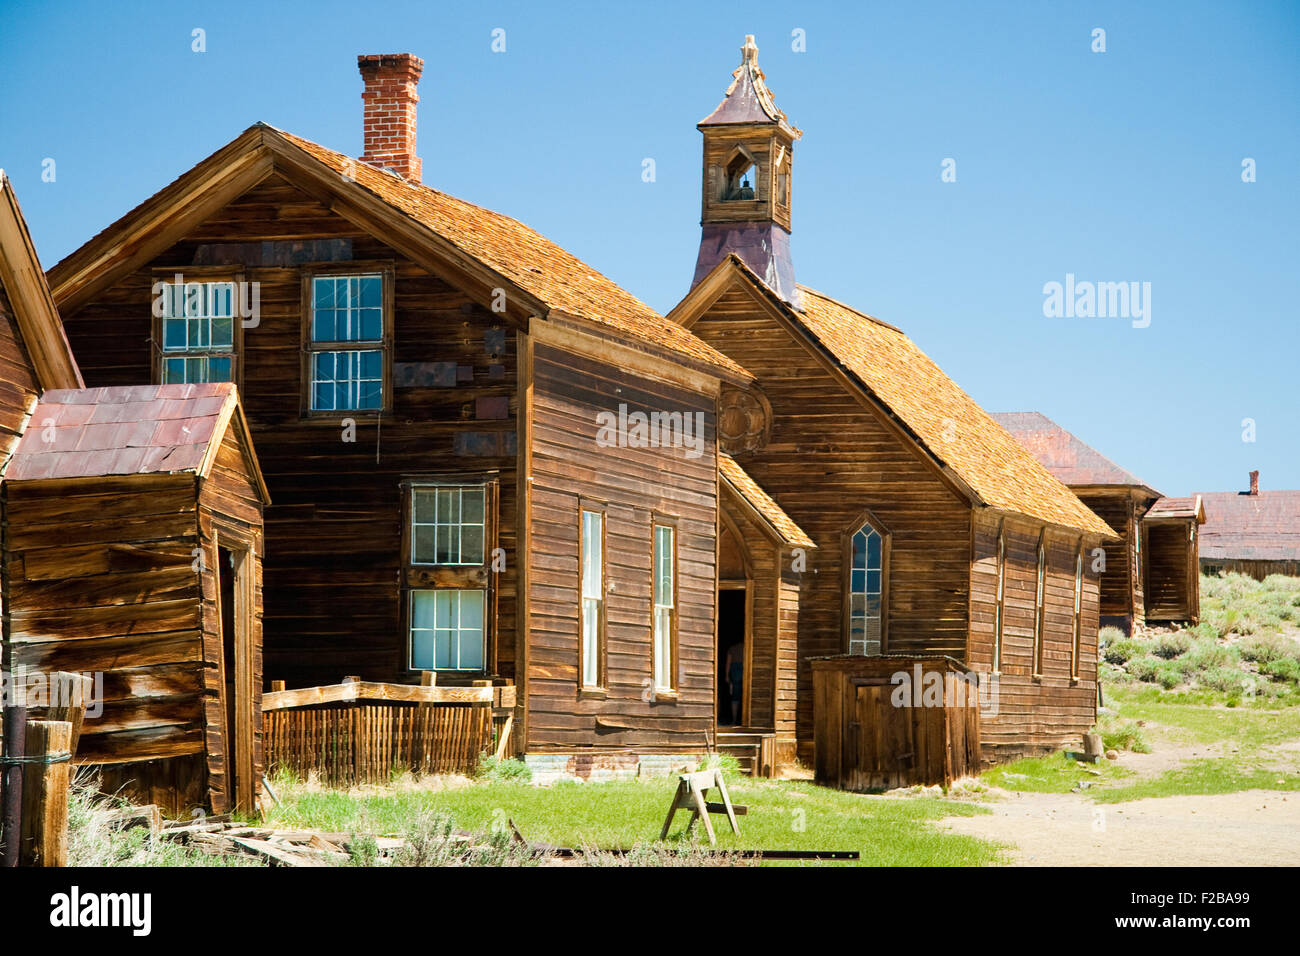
column 868, row 564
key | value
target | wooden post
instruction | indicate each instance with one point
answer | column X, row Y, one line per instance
column 11, row 774
column 68, row 695
column 44, row 840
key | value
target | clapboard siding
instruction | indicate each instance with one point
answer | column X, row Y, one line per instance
column 333, row 531
column 18, row 385
column 830, row 458
column 635, row 484
column 1033, row 713
column 1121, row 589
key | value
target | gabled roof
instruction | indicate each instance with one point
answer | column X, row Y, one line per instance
column 129, row 430
column 1065, row 456
column 1259, row 527
column 974, row 451
column 1189, row 507
column 779, row 523
column 748, row 100
column 438, row 231
column 30, row 299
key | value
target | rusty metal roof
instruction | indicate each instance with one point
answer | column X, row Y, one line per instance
column 132, row 430
column 1259, row 527
column 748, row 100
column 1064, row 455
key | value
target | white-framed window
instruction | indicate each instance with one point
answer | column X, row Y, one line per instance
column 346, row 361
column 196, row 332
column 447, row 629
column 1000, row 596
column 448, row 524
column 665, row 605
column 1078, row 609
column 1040, row 603
column 592, row 561
column 866, row 591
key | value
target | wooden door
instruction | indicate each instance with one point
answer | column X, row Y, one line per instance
column 235, row 609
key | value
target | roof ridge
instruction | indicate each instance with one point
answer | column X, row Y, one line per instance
column 844, row 305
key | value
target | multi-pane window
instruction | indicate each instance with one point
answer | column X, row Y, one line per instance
column 1039, row 604
column 447, row 629
column 866, row 587
column 448, row 524
column 346, row 361
column 665, row 604
column 197, row 332
column 1078, row 609
column 593, row 595
column 446, row 574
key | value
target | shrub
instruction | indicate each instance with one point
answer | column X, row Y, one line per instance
column 1123, row 650
column 1128, row 736
column 1284, row 668
column 1168, row 675
column 1207, row 654
column 1266, row 649
column 1144, row 668
column 1171, row 645
column 492, row 770
column 1109, row 635
column 431, row 840
column 1229, row 680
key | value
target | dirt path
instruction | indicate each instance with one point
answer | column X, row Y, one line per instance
column 1251, row 828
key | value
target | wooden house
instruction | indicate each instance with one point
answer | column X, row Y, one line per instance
column 1122, row 499
column 1171, row 543
column 937, row 533
column 1253, row 532
column 487, row 459
column 131, row 552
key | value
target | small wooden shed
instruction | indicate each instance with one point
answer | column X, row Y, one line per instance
column 1170, row 539
column 894, row 720
column 133, row 552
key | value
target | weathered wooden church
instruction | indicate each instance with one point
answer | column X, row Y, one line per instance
column 487, row 460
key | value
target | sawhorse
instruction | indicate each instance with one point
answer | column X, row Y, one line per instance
column 692, row 794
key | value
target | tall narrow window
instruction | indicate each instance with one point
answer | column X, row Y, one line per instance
column 196, row 332
column 449, row 587
column 593, row 597
column 1078, row 608
column 665, row 606
column 1001, row 593
column 1040, row 603
column 346, row 354
column 866, row 590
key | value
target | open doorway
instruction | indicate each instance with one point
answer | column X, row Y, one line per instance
column 732, row 663
column 235, row 610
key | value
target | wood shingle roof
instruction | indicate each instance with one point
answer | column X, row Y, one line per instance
column 758, row 499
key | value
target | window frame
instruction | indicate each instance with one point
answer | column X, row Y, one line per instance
column 1078, row 611
column 205, row 274
column 409, row 616
column 1000, row 598
column 864, row 519
column 669, row 689
column 451, row 577
column 1040, row 605
column 319, row 270
column 598, row 688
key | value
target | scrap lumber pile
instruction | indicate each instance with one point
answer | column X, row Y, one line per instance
column 271, row 847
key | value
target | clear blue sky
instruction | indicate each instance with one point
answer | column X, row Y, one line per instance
column 1115, row 166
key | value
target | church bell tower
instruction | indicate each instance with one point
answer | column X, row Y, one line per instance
column 748, row 161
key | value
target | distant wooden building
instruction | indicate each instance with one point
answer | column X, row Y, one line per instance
column 487, row 459
column 132, row 542
column 937, row 533
column 1122, row 499
column 1171, row 543
column 1253, row 532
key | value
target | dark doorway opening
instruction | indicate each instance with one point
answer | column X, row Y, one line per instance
column 235, row 612
column 732, row 677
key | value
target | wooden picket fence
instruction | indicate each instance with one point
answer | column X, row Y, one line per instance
column 363, row 732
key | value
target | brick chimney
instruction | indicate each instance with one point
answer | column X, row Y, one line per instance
column 389, row 103
column 1254, row 482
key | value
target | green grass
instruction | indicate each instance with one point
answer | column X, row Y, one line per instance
column 1199, row 718
column 1055, row 773
column 1213, row 776
column 790, row 815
